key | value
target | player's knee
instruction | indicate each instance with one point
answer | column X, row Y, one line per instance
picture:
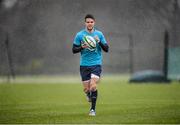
column 86, row 89
column 93, row 87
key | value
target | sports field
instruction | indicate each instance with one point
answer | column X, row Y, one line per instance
column 64, row 102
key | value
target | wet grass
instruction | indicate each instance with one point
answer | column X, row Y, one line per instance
column 62, row 103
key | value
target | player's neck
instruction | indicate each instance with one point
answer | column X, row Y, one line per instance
column 90, row 30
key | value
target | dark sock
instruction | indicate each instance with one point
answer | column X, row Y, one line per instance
column 94, row 95
column 88, row 94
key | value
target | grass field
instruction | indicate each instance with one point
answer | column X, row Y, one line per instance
column 64, row 102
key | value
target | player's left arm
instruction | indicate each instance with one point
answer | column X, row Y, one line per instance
column 104, row 46
column 102, row 42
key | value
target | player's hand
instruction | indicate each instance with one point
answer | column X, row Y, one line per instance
column 84, row 45
column 97, row 39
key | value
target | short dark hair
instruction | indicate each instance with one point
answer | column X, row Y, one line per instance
column 89, row 16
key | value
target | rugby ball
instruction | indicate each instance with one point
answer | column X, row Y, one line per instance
column 90, row 42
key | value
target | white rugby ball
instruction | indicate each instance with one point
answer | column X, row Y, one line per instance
column 90, row 42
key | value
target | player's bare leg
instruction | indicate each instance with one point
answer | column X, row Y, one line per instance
column 86, row 85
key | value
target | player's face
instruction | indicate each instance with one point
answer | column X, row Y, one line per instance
column 89, row 23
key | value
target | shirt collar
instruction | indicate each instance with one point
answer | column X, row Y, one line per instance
column 91, row 31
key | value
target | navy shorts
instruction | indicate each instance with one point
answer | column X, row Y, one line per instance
column 88, row 71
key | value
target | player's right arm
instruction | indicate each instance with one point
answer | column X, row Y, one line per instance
column 77, row 44
column 76, row 48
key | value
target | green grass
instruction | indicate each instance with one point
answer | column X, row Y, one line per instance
column 118, row 102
